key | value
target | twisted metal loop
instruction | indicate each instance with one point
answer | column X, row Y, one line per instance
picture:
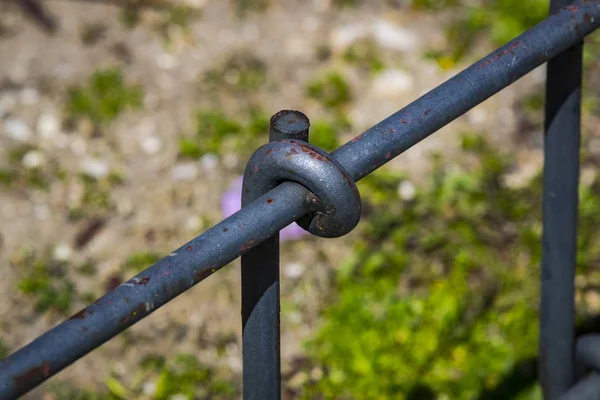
column 335, row 203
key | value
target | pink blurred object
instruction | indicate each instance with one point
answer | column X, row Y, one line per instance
column 231, row 202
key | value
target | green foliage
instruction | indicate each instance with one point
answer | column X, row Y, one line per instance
column 181, row 375
column 96, row 199
column 439, row 298
column 242, row 72
column 214, row 130
column 138, row 262
column 104, row 98
column 16, row 175
column 365, row 55
column 48, row 283
column 244, row 7
column 502, row 20
column 324, row 135
column 331, row 90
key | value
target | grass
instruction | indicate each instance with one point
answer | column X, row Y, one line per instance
column 216, row 131
column 331, row 90
column 17, row 175
column 105, row 97
column 439, row 297
column 240, row 72
column 365, row 55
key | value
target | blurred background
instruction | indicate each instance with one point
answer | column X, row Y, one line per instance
column 125, row 124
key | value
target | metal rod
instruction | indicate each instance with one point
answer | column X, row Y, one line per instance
column 171, row 276
column 260, row 290
column 586, row 389
column 560, row 202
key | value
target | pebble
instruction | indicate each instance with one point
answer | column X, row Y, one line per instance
column 193, row 223
column 17, row 129
column 343, row 36
column 41, row 212
column 294, row 270
column 166, row 61
column 209, row 162
column 95, row 168
column 392, row 82
column 393, row 37
column 47, row 125
column 407, row 190
column 151, row 145
column 29, row 96
column 33, row 159
column 149, row 388
column 231, row 161
column 79, row 146
column 62, row 252
column 184, row 172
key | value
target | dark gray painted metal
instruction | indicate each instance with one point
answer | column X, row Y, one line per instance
column 193, row 262
column 586, row 389
column 560, row 203
column 587, row 351
column 336, row 200
column 260, row 287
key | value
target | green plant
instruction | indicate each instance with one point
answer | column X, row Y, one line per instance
column 439, row 297
column 137, row 262
column 331, row 90
column 3, row 350
column 49, row 283
column 242, row 72
column 104, row 98
column 324, row 135
column 181, row 376
column 365, row 55
column 22, row 171
column 95, row 200
column 215, row 130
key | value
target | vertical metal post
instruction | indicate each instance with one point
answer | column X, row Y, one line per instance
column 260, row 291
column 560, row 202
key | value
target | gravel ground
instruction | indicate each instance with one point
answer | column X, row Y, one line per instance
column 164, row 201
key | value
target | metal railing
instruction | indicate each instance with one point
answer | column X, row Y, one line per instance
column 290, row 180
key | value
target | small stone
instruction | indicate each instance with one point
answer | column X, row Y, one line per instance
column 47, row 125
column 151, row 145
column 343, row 36
column 193, row 223
column 477, row 116
column 79, row 146
column 62, row 252
column 294, row 270
column 392, row 82
column 184, row 172
column 394, row 37
column 166, row 61
column 231, row 161
column 33, row 159
column 316, row 374
column 209, row 162
column 17, row 130
column 41, row 212
column 95, row 168
column 407, row 190
column 149, row 388
column 29, row 96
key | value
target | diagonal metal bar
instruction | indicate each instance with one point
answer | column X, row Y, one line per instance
column 193, row 262
column 560, row 202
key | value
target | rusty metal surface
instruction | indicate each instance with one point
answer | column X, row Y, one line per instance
column 267, row 214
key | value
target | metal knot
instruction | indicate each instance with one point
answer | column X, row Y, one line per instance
column 334, row 201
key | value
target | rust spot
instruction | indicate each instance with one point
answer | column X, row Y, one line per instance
column 250, row 242
column 459, row 80
column 34, row 374
column 203, row 273
column 500, row 55
column 356, row 139
column 403, row 121
column 571, row 7
column 393, row 130
column 256, row 169
column 247, row 190
column 243, row 248
column 387, row 155
column 426, row 111
column 81, row 314
column 269, row 201
column 127, row 300
column 84, row 329
column 189, row 248
column 587, row 18
column 144, row 281
column 225, row 229
column 269, row 151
